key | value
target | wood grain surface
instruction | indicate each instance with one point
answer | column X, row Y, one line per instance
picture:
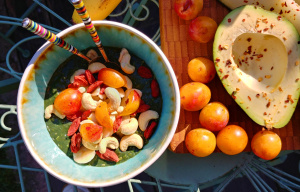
column 180, row 49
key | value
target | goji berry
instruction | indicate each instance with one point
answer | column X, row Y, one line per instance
column 74, row 126
column 102, row 89
column 81, row 79
column 93, row 86
column 74, row 116
column 75, row 143
column 89, row 76
column 142, row 108
column 145, row 72
column 75, row 85
column 149, row 130
column 86, row 114
column 154, row 88
column 117, row 123
column 109, row 155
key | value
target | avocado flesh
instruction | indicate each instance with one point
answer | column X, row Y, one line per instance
column 257, row 58
column 286, row 8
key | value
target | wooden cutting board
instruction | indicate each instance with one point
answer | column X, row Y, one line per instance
column 180, row 49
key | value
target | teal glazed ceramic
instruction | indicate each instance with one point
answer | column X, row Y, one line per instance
column 31, row 94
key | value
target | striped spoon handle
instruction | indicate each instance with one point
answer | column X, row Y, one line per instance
column 81, row 10
column 49, row 36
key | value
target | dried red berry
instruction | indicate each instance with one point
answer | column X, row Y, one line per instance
column 93, row 86
column 86, row 114
column 149, row 130
column 74, row 126
column 154, row 88
column 117, row 123
column 109, row 155
column 145, row 72
column 75, row 143
column 89, row 76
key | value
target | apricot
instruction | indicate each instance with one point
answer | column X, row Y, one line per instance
column 232, row 139
column 68, row 102
column 202, row 29
column 90, row 132
column 214, row 116
column 194, row 96
column 200, row 142
column 188, row 9
column 111, row 78
column 201, row 69
column 266, row 144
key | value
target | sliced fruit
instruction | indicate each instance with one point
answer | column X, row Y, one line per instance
column 84, row 155
column 111, row 78
column 133, row 103
column 257, row 56
column 102, row 115
column 286, row 8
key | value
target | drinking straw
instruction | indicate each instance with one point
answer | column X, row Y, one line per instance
column 81, row 10
column 49, row 36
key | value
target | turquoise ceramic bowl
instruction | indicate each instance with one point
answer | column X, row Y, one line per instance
column 31, row 105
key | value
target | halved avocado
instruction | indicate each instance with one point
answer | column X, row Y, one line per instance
column 257, row 57
column 290, row 9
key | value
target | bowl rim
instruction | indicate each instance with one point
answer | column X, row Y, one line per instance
column 144, row 166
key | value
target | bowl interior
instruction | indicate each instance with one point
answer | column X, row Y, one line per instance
column 31, row 105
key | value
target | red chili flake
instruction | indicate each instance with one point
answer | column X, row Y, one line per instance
column 260, row 55
column 228, row 62
column 74, row 116
column 117, row 123
column 145, row 72
column 109, row 155
column 229, row 20
column 297, row 80
column 221, row 71
column 279, row 18
column 265, row 113
column 217, row 60
column 74, row 126
column 233, row 94
column 259, row 31
column 272, row 68
column 245, row 1
column 290, row 51
column 249, row 98
column 257, row 95
column 220, row 48
column 266, row 29
column 149, row 130
column 243, row 20
column 89, row 76
column 284, row 4
column 75, row 142
column 154, row 88
column 81, row 79
column 289, row 97
column 85, row 114
column 272, row 9
column 280, row 12
column 93, row 86
column 249, row 39
column 225, row 77
column 265, row 50
column 268, row 104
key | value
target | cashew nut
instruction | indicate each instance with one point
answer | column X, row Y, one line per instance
column 145, row 117
column 129, row 127
column 87, row 102
column 131, row 140
column 92, row 54
column 48, row 111
column 82, row 89
column 124, row 60
column 96, row 67
column 90, row 145
column 128, row 82
column 76, row 73
column 114, row 98
column 121, row 92
column 110, row 142
column 120, row 109
column 92, row 117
